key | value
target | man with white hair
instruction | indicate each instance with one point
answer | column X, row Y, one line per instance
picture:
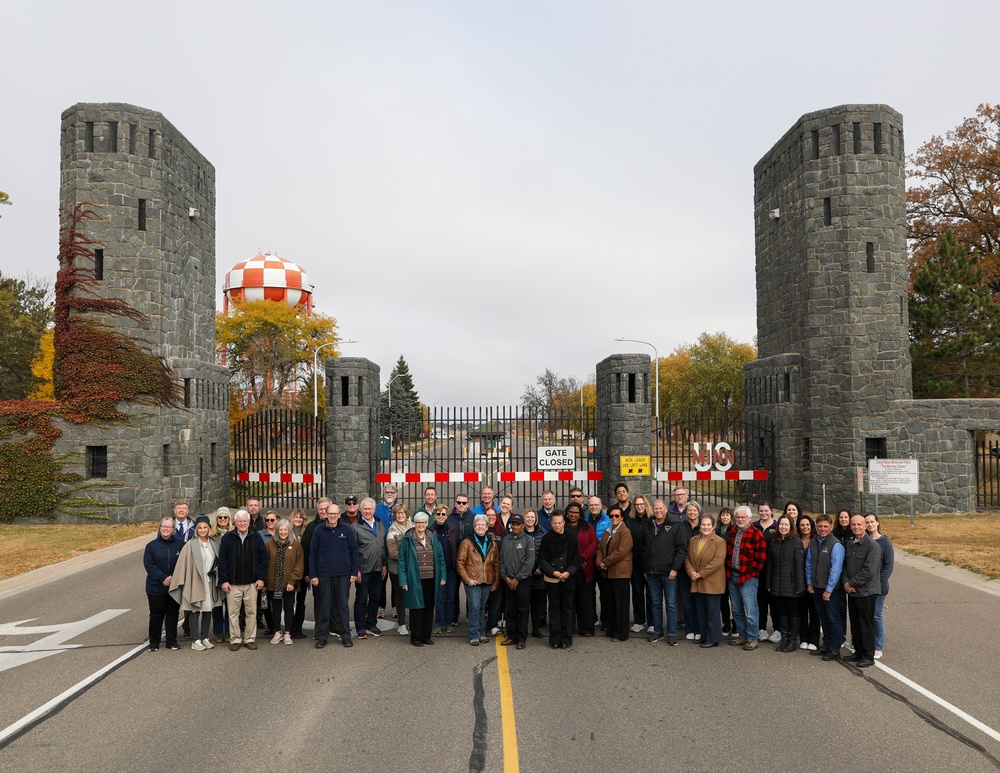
column 372, row 569
column 745, row 555
column 242, row 572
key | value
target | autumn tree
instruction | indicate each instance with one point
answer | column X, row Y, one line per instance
column 954, row 326
column 400, row 412
column 4, row 198
column 955, row 185
column 41, row 367
column 269, row 348
column 705, row 375
column 25, row 314
column 551, row 392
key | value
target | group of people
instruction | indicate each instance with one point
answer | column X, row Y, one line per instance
column 524, row 571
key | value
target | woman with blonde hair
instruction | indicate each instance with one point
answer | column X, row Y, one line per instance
column 401, row 524
column 195, row 582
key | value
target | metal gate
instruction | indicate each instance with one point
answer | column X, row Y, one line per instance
column 987, row 470
column 730, row 455
column 279, row 456
column 489, row 441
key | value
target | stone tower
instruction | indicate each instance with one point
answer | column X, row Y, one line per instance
column 829, row 215
column 155, row 227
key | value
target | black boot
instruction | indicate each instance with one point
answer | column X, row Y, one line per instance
column 783, row 627
column 793, row 635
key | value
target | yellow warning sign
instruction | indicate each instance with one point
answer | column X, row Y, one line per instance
column 634, row 465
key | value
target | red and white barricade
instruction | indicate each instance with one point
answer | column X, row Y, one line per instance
column 570, row 475
column 278, row 477
column 712, row 475
column 428, row 477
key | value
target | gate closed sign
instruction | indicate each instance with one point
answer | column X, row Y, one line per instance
column 634, row 465
column 556, row 457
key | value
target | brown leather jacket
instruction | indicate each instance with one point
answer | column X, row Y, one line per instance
column 470, row 564
column 615, row 551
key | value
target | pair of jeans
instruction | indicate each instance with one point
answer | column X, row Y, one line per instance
column 475, row 602
column 743, row 600
column 879, row 623
column 220, row 618
column 366, row 598
column 709, row 619
column 687, row 601
column 830, row 616
column 444, row 610
column 663, row 589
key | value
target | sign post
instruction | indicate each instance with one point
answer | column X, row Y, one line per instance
column 894, row 476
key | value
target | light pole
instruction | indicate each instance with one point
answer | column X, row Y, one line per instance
column 316, row 374
column 657, row 356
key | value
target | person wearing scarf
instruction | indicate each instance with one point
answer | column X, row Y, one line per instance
column 478, row 567
column 285, row 566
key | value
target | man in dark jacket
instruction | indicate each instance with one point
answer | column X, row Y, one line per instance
column 517, row 564
column 159, row 560
column 862, row 584
column 321, row 504
column 662, row 558
column 242, row 572
column 372, row 568
column 333, row 561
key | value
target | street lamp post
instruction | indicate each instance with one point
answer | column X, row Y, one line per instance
column 316, row 374
column 657, row 356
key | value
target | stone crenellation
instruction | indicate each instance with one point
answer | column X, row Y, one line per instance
column 352, row 402
column 154, row 198
column 832, row 289
column 623, row 414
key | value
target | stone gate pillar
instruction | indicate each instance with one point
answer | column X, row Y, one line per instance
column 624, row 418
column 352, row 399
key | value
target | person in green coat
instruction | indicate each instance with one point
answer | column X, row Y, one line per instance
column 422, row 572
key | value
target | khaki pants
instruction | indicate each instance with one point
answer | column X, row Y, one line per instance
column 247, row 594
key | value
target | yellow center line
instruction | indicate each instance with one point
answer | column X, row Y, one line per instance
column 510, row 761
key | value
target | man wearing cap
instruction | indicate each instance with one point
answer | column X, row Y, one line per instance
column 351, row 511
column 333, row 560
column 517, row 563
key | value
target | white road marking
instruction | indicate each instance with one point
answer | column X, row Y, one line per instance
column 13, row 656
column 941, row 702
column 72, row 692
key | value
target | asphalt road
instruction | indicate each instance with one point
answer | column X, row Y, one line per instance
column 384, row 705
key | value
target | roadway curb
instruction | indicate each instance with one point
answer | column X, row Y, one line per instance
column 948, row 572
column 46, row 574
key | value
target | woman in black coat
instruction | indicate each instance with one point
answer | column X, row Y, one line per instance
column 560, row 561
column 786, row 580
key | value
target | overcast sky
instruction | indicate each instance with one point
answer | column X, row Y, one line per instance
column 487, row 188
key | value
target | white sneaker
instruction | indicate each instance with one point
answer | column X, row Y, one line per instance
column 650, row 630
column 812, row 647
column 404, row 631
column 690, row 637
column 287, row 639
column 208, row 644
column 878, row 654
column 197, row 646
column 804, row 646
column 776, row 636
column 494, row 631
column 761, row 635
column 637, row 628
column 276, row 639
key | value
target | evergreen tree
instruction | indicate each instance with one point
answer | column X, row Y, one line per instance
column 405, row 418
column 954, row 326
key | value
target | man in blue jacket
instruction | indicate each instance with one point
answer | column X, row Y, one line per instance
column 333, row 564
column 242, row 572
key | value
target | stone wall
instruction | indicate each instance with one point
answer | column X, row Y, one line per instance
column 834, row 367
column 624, row 417
column 352, row 405
column 154, row 195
